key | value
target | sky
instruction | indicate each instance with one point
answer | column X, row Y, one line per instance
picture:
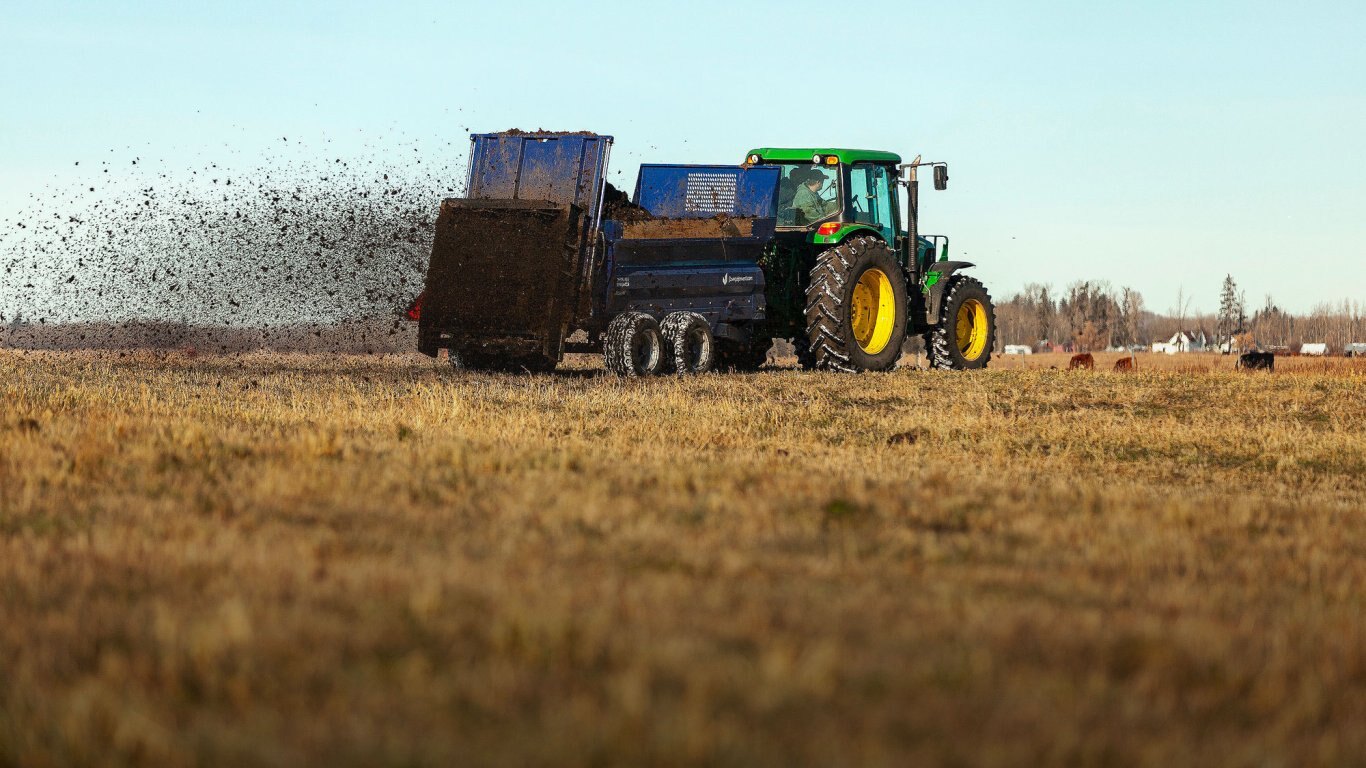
column 1158, row 145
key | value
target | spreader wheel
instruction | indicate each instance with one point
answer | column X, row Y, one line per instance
column 632, row 345
column 688, row 344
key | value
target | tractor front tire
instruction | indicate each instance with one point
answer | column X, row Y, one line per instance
column 688, row 344
column 633, row 346
column 966, row 331
column 856, row 307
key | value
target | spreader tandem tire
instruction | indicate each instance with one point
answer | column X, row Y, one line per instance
column 856, row 307
column 632, row 345
column 688, row 344
column 966, row 331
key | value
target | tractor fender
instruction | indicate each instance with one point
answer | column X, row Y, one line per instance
column 935, row 285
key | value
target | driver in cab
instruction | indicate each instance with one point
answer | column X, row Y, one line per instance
column 807, row 201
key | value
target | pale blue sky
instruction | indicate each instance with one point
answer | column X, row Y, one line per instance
column 1158, row 144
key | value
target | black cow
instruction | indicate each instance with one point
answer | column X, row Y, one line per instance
column 1257, row 361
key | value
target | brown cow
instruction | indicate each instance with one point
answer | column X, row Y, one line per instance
column 1084, row 360
column 1125, row 365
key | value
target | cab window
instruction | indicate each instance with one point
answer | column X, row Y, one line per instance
column 870, row 196
column 807, row 194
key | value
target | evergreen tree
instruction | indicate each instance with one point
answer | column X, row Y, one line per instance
column 1229, row 312
column 1045, row 311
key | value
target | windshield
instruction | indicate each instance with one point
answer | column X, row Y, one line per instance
column 807, row 194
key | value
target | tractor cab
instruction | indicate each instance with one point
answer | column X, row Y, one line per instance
column 828, row 193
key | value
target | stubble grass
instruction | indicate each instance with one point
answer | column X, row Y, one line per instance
column 359, row 561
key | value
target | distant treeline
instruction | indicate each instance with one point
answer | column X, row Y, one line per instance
column 1093, row 315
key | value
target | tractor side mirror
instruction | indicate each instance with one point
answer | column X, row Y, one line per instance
column 941, row 177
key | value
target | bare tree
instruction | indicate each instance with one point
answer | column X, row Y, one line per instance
column 1090, row 338
column 1131, row 316
column 1013, row 321
column 1183, row 307
column 1272, row 326
column 1039, row 300
column 1091, row 309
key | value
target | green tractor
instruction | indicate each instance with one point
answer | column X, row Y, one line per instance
column 846, row 279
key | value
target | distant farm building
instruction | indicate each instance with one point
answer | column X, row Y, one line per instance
column 1018, row 349
column 1316, row 349
column 1355, row 349
column 1183, row 341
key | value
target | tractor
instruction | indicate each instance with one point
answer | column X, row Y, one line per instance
column 847, row 283
column 700, row 269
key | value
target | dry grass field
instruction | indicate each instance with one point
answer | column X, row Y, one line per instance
column 280, row 560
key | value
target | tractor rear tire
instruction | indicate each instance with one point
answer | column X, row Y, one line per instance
column 632, row 345
column 856, row 307
column 966, row 332
column 688, row 344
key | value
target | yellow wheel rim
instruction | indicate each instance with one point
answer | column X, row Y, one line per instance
column 874, row 311
column 971, row 327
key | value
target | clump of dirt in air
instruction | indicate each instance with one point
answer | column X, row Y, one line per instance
column 305, row 248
